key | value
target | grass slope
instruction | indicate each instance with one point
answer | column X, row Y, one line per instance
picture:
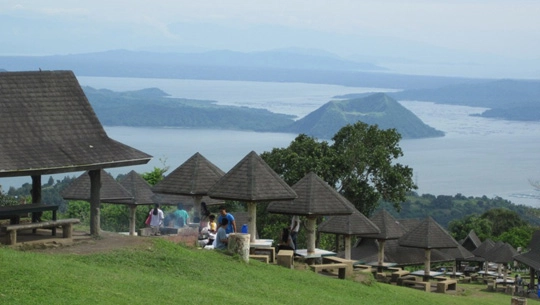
column 166, row 273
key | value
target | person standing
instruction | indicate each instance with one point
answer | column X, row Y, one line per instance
column 231, row 227
column 182, row 216
column 156, row 219
column 294, row 228
column 222, row 240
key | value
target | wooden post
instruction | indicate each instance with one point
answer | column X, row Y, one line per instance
column 380, row 256
column 95, row 187
column 347, row 247
column 132, row 219
column 311, row 227
column 427, row 264
column 197, row 208
column 239, row 244
column 36, row 189
column 252, row 229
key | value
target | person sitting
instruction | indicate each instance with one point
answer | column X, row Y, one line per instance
column 222, row 240
column 286, row 242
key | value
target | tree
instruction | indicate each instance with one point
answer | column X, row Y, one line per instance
column 460, row 228
column 503, row 220
column 360, row 164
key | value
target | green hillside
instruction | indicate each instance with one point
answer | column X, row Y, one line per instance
column 378, row 108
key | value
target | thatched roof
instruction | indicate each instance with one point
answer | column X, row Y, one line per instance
column 251, row 180
column 315, row 197
column 501, row 253
column 390, row 228
column 111, row 190
column 428, row 235
column 193, row 177
column 355, row 224
column 483, row 248
column 471, row 242
column 138, row 188
column 532, row 257
column 459, row 253
column 49, row 127
column 366, row 251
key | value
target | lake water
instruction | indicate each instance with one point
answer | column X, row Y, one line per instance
column 477, row 156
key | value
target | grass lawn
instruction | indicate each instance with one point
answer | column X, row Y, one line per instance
column 167, row 273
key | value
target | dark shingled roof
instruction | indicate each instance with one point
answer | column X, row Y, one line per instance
column 315, row 197
column 428, row 235
column 389, row 226
column 532, row 257
column 471, row 242
column 138, row 188
column 483, row 248
column 111, row 190
column 49, row 127
column 251, row 180
column 366, row 251
column 459, row 253
column 501, row 253
column 355, row 224
column 194, row 177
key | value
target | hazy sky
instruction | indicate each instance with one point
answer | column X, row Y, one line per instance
column 500, row 28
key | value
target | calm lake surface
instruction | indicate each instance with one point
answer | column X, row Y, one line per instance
column 476, row 157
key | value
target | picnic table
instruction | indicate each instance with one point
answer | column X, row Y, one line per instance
column 319, row 253
column 14, row 212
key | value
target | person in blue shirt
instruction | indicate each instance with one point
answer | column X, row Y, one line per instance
column 231, row 227
column 221, row 237
column 181, row 213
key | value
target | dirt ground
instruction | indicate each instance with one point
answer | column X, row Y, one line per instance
column 84, row 243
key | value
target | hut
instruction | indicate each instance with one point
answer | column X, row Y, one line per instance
column 49, row 127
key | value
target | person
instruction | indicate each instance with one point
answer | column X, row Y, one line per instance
column 294, row 228
column 286, row 242
column 156, row 220
column 212, row 229
column 182, row 216
column 231, row 227
column 518, row 280
column 204, row 223
column 221, row 237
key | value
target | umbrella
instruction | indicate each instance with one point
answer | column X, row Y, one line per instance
column 251, row 180
column 315, row 198
column 428, row 235
column 192, row 178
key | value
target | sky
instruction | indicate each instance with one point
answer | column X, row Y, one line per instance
column 500, row 38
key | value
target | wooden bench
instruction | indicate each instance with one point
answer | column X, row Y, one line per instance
column 382, row 277
column 65, row 224
column 398, row 274
column 339, row 260
column 341, row 267
column 400, row 279
column 285, row 258
column 260, row 257
column 270, row 251
column 426, row 286
column 443, row 286
column 362, row 268
column 465, row 279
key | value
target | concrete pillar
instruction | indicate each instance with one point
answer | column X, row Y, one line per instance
column 239, row 244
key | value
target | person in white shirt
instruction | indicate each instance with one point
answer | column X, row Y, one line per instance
column 156, row 220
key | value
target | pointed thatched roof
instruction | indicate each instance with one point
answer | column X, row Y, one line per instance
column 355, row 224
column 428, row 235
column 251, row 180
column 409, row 223
column 532, row 257
column 48, row 127
column 501, row 253
column 315, row 197
column 483, row 248
column 366, row 251
column 138, row 188
column 111, row 190
column 471, row 242
column 390, row 228
column 193, row 177
column 459, row 253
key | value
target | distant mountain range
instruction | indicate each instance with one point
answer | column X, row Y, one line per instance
column 285, row 65
column 153, row 108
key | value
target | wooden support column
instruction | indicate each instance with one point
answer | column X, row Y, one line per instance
column 252, row 229
column 347, row 246
column 380, row 255
column 311, row 228
column 132, row 219
column 95, row 189
column 36, row 189
column 427, row 264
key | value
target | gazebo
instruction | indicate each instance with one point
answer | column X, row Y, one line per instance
column 428, row 235
column 390, row 229
column 502, row 254
column 192, row 178
column 315, row 198
column 355, row 224
column 49, row 127
column 252, row 180
column 531, row 258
